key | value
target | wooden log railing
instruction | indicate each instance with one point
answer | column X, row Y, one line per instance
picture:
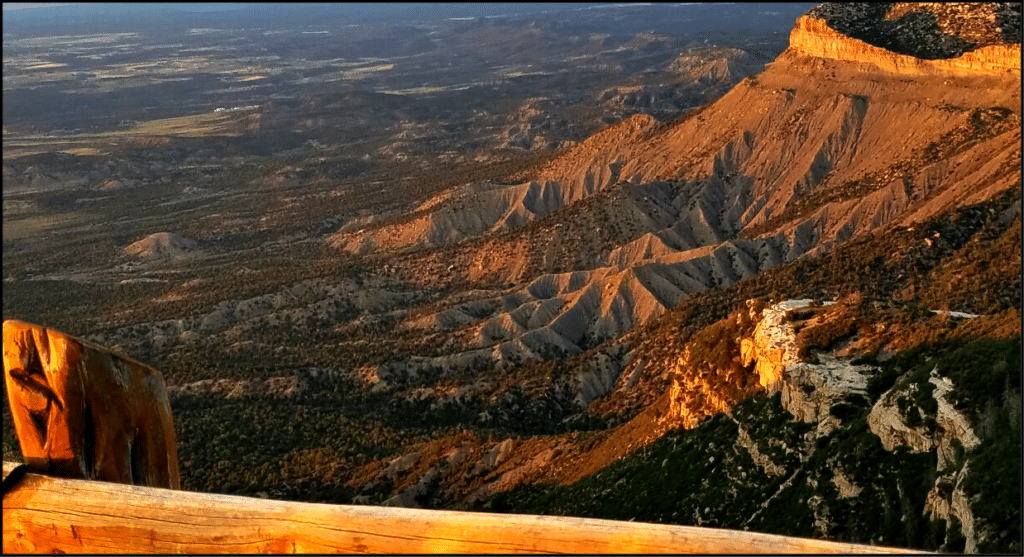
column 44, row 514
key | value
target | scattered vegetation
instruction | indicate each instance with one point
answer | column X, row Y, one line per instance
column 264, row 203
column 705, row 477
column 306, row 451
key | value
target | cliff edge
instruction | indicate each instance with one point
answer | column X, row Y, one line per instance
column 935, row 43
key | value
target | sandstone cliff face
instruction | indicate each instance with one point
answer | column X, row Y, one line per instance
column 710, row 377
column 813, row 37
column 886, row 422
column 808, row 389
column 773, row 347
column 693, row 397
column 953, row 425
column 947, row 498
column 928, row 30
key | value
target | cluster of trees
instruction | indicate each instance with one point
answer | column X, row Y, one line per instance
column 704, row 477
column 283, row 448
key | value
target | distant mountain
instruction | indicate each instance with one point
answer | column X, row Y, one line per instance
column 127, row 17
column 811, row 153
column 108, row 15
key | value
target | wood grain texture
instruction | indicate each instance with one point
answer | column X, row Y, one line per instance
column 42, row 514
column 85, row 411
column 8, row 466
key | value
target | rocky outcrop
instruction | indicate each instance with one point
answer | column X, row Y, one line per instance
column 708, row 378
column 946, row 499
column 886, row 421
column 762, row 460
column 773, row 346
column 960, row 506
column 695, row 395
column 162, row 245
column 844, row 485
column 809, row 390
column 952, row 428
column 83, row 411
column 814, row 37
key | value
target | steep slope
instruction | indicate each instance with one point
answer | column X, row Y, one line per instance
column 884, row 452
column 820, row 120
column 810, row 153
column 825, row 448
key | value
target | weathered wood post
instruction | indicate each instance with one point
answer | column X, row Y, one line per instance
column 84, row 411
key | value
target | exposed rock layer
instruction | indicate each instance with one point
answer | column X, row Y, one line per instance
column 813, row 37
